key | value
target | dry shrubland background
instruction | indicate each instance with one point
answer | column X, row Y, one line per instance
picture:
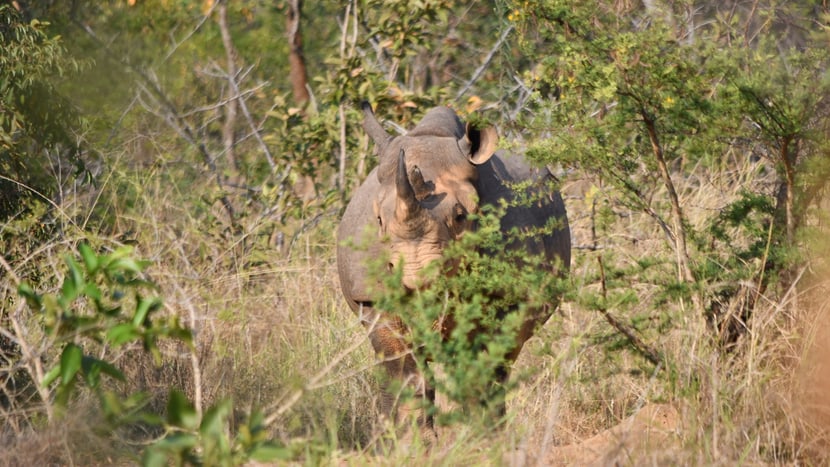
column 219, row 141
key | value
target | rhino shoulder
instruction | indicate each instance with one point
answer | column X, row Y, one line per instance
column 498, row 180
column 502, row 170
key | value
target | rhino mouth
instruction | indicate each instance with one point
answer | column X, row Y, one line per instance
column 433, row 270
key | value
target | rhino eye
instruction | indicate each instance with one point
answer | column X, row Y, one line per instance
column 460, row 213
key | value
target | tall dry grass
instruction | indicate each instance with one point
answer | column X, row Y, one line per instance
column 273, row 333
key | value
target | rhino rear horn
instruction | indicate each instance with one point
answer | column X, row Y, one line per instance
column 479, row 145
column 407, row 205
column 373, row 128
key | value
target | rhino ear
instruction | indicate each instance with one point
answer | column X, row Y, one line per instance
column 373, row 127
column 479, row 145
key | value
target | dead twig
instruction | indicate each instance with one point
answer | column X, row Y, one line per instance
column 644, row 349
column 480, row 70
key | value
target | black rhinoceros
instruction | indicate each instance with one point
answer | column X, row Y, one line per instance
column 419, row 199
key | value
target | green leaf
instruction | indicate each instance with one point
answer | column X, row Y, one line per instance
column 180, row 333
column 175, row 446
column 72, row 283
column 123, row 333
column 178, row 441
column 25, row 290
column 270, row 452
column 91, row 371
column 92, row 291
column 145, row 306
column 154, row 457
column 93, row 367
column 180, row 411
column 71, row 359
column 63, row 393
column 213, row 423
column 51, row 376
column 90, row 258
column 34, row 300
column 122, row 265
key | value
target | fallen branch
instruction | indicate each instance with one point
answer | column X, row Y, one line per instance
column 644, row 349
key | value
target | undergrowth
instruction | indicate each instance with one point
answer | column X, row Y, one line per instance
column 273, row 344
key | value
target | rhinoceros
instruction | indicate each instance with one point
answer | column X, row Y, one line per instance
column 420, row 198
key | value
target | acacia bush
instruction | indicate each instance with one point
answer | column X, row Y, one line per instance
column 655, row 108
column 645, row 99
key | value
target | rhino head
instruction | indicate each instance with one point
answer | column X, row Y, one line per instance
column 427, row 186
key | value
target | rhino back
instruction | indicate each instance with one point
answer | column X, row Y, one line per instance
column 356, row 245
column 496, row 178
column 439, row 121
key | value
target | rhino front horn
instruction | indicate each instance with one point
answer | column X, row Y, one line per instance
column 407, row 205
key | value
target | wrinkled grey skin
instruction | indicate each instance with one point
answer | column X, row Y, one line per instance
column 418, row 200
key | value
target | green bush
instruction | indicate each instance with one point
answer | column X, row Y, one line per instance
column 103, row 304
column 467, row 319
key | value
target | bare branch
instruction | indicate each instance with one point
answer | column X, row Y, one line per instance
column 223, row 102
column 254, row 127
column 191, row 33
column 645, row 350
column 480, row 70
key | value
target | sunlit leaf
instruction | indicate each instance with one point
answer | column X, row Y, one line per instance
column 270, row 452
column 89, row 257
column 123, row 333
column 71, row 359
column 180, row 411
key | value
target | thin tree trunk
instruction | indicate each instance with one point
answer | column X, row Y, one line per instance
column 789, row 200
column 231, row 108
column 684, row 270
column 304, row 188
column 341, row 169
column 297, row 74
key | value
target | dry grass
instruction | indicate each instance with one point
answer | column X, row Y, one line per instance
column 273, row 333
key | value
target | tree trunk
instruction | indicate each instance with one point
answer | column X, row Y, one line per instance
column 684, row 269
column 297, row 73
column 304, row 188
column 231, row 107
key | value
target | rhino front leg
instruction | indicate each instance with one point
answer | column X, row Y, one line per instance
column 388, row 336
column 498, row 391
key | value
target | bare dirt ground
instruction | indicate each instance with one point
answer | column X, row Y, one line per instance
column 639, row 439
